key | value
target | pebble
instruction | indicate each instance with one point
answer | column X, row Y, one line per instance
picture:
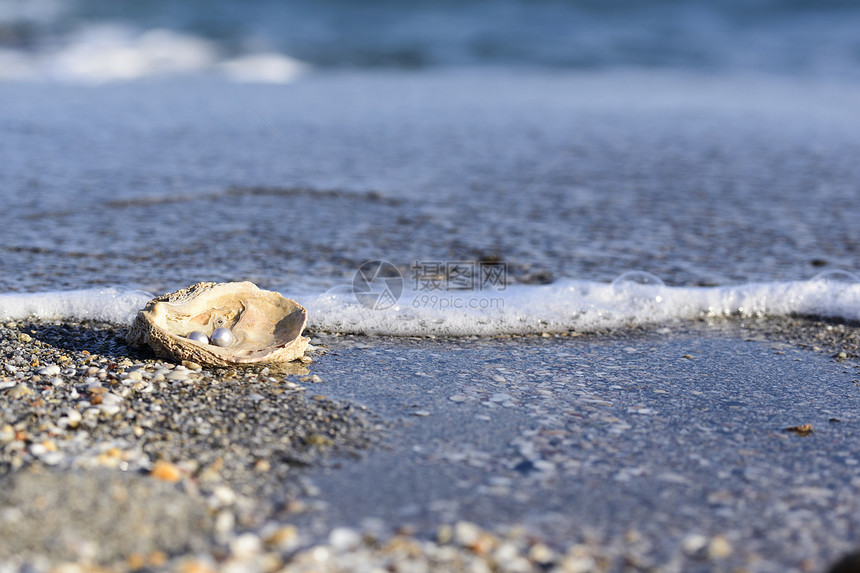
column 166, row 471
column 109, row 398
column 466, row 533
column 719, row 547
column 693, row 543
column 246, row 545
column 52, row 370
column 542, row 554
column 19, row 391
column 71, row 418
column 225, row 522
column 52, row 458
column 7, row 434
column 224, row 495
column 283, row 537
column 344, row 538
column 134, row 375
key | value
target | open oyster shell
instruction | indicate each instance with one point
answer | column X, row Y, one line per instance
column 266, row 327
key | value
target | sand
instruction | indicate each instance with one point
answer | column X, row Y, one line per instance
column 667, row 449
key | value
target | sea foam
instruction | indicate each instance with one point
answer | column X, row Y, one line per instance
column 104, row 52
column 114, row 305
column 581, row 306
column 566, row 305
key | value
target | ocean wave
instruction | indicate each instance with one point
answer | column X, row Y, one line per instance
column 634, row 299
column 107, row 52
column 816, row 38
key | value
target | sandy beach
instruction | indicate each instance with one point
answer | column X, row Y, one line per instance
column 664, row 450
column 582, row 283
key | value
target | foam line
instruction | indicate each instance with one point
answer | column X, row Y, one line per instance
column 114, row 305
column 581, row 306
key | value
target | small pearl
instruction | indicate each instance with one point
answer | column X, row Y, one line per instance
column 198, row 336
column 221, row 337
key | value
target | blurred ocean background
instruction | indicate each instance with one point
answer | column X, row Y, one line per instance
column 712, row 144
column 78, row 39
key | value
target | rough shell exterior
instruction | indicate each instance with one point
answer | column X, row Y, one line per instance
column 266, row 326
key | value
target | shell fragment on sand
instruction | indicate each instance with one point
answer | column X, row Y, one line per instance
column 254, row 325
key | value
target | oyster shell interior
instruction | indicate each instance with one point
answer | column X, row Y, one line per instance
column 266, row 327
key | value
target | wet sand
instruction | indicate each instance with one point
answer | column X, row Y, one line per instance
column 664, row 449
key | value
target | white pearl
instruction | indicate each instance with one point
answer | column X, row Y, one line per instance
column 198, row 336
column 221, row 337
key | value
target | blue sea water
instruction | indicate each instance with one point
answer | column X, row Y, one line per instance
column 801, row 36
column 711, row 144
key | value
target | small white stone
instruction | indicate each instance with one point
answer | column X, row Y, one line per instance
column 506, row 552
column 693, row 543
column 111, row 399
column 344, row 538
column 70, row 419
column 466, row 533
column 52, row 458
column 245, row 546
column 224, row 522
column 51, row 370
column 38, row 449
column 540, row 553
column 224, row 495
column 7, row 434
column 719, row 547
column 73, row 415
column 544, row 466
column 578, row 564
column 109, row 409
